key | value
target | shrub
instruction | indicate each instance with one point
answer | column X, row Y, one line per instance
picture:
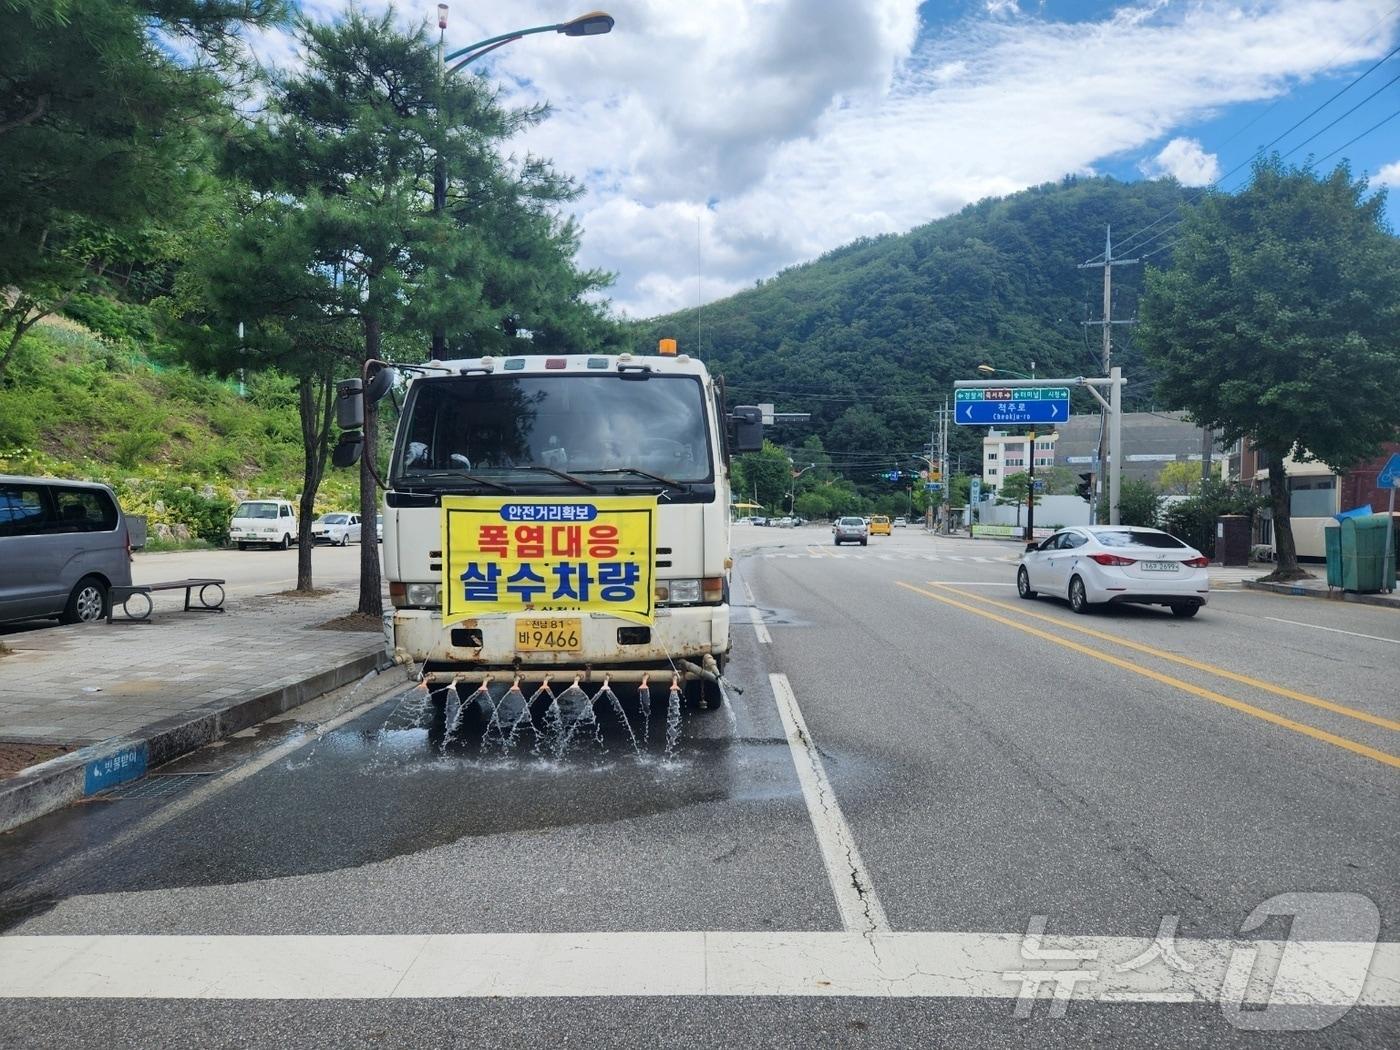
column 1193, row 519
column 1137, row 504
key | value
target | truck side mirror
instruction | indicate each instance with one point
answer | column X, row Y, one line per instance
column 347, row 450
column 748, row 428
column 349, row 404
column 379, row 383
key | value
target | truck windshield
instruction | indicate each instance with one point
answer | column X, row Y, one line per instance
column 506, row 428
column 256, row 510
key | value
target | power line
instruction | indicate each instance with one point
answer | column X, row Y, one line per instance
column 1348, row 142
column 1348, row 113
column 1128, row 244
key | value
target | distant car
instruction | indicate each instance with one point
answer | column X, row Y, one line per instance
column 799, row 521
column 786, row 523
column 758, row 519
column 263, row 521
column 879, row 525
column 901, row 523
column 850, row 530
column 1094, row 564
column 63, row 546
column 338, row 527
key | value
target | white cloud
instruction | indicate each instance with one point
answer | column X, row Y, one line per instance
column 783, row 128
column 1388, row 176
column 1184, row 160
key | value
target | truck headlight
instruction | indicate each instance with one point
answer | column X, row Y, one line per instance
column 682, row 592
column 709, row 591
column 415, row 595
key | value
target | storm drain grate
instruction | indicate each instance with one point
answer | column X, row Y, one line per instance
column 157, row 785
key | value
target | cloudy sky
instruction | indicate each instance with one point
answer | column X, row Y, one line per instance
column 721, row 140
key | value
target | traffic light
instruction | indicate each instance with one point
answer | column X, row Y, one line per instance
column 1085, row 486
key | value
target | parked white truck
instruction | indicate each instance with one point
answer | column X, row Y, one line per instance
column 560, row 515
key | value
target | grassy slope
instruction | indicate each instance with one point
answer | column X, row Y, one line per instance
column 178, row 446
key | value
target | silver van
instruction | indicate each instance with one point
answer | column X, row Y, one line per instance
column 63, row 546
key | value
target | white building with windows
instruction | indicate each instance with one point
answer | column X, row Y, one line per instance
column 1005, row 454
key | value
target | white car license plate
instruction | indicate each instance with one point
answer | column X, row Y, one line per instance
column 1161, row 566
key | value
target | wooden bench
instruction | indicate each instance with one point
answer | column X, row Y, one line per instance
column 207, row 602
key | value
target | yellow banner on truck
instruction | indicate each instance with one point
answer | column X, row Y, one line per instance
column 505, row 554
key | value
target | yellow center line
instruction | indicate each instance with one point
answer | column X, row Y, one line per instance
column 1186, row 661
column 1206, row 694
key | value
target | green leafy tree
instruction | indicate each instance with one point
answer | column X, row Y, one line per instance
column 1138, row 504
column 1279, row 321
column 1194, row 519
column 1013, row 493
column 102, row 135
column 1183, row 478
column 813, row 505
column 768, row 475
column 342, row 227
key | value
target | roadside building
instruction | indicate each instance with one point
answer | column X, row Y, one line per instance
column 1005, row 454
column 1316, row 493
column 1151, row 440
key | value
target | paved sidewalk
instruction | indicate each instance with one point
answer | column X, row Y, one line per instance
column 130, row 696
column 1317, row 588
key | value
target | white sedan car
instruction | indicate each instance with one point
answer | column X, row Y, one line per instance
column 1120, row 564
column 338, row 527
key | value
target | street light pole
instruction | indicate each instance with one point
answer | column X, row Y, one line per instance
column 594, row 23
column 792, row 488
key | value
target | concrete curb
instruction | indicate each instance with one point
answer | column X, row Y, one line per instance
column 54, row 784
column 1382, row 600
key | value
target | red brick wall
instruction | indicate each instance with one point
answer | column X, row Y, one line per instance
column 1359, row 483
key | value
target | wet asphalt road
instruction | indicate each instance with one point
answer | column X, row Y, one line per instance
column 991, row 765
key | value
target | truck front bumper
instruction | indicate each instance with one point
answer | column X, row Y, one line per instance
column 487, row 643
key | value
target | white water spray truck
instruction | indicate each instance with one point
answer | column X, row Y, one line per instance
column 563, row 516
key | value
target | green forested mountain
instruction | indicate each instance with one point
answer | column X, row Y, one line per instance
column 869, row 337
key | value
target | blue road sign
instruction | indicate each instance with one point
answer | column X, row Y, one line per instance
column 933, row 486
column 987, row 405
column 1390, row 474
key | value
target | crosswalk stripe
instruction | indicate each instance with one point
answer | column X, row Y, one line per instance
column 1320, row 974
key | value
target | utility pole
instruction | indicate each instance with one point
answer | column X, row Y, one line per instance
column 1106, row 362
column 1030, row 489
column 1207, row 448
column 943, row 477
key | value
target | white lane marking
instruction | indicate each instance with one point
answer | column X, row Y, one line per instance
column 893, row 965
column 860, row 909
column 760, row 629
column 1335, row 630
column 216, row 785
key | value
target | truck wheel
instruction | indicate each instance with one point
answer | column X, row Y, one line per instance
column 702, row 689
column 864, row 542
column 242, row 546
column 286, row 543
column 87, row 603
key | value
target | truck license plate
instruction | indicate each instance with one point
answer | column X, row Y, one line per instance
column 1161, row 566
column 548, row 635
